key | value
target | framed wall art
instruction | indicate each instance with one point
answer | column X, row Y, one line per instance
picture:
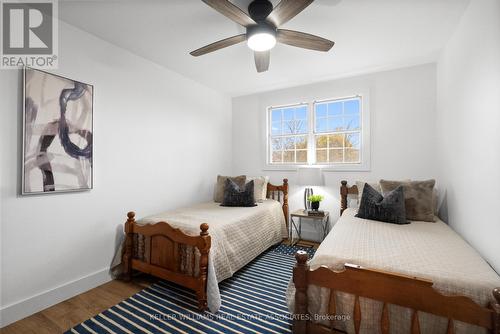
column 57, row 134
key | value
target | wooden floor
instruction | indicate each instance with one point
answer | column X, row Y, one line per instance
column 61, row 317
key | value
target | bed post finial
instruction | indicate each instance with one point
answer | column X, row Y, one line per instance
column 129, row 241
column 204, row 229
column 300, row 281
column 344, row 191
column 496, row 311
column 131, row 216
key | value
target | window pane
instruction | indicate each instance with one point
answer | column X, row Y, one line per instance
column 276, row 115
column 301, row 127
column 351, row 122
column 321, row 110
column 321, row 156
column 336, row 141
column 301, row 142
column 288, row 114
column 301, row 113
column 335, row 124
column 276, row 128
column 302, row 156
column 321, row 124
column 288, row 127
column 335, row 109
column 352, row 140
column 289, row 156
column 288, row 143
column 321, row 141
column 276, row 144
column 351, row 107
column 277, row 157
column 351, row 155
column 336, row 155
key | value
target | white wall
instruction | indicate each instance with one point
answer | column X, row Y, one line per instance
column 402, row 106
column 469, row 127
column 160, row 140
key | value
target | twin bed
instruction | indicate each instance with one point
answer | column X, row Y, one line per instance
column 366, row 276
column 373, row 277
column 174, row 246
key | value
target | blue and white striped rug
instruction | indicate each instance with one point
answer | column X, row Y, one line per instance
column 253, row 301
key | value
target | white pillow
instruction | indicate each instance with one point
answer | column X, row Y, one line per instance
column 259, row 186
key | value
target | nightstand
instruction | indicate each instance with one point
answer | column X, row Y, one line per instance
column 296, row 223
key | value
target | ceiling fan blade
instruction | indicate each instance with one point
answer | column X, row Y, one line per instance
column 262, row 60
column 304, row 40
column 230, row 11
column 223, row 43
column 286, row 10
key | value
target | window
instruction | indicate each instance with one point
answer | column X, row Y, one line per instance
column 337, row 131
column 329, row 132
column 289, row 134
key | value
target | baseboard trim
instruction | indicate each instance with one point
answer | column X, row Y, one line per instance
column 24, row 308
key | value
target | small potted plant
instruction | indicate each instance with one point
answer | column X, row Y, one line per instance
column 315, row 199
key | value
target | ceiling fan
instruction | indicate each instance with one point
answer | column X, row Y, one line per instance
column 262, row 29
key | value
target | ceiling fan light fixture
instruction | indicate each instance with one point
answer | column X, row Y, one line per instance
column 261, row 41
column 261, row 37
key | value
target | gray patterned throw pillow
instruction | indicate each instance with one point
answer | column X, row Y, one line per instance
column 389, row 209
column 236, row 196
column 418, row 197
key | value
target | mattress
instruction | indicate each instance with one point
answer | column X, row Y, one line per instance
column 238, row 235
column 421, row 249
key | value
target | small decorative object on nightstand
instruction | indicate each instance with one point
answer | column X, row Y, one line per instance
column 296, row 217
column 310, row 176
column 315, row 200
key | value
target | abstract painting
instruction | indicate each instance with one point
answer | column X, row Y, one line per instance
column 57, row 132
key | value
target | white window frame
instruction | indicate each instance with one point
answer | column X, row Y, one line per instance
column 269, row 134
column 365, row 134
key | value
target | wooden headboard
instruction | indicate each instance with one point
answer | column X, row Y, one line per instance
column 345, row 191
column 279, row 192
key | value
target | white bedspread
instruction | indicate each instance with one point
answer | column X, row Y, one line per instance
column 238, row 234
column 422, row 249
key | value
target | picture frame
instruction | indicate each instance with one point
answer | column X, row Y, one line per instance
column 58, row 131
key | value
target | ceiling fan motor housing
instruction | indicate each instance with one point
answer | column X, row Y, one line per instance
column 259, row 10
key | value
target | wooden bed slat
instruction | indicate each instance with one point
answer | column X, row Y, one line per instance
column 332, row 309
column 415, row 324
column 176, row 257
column 451, row 327
column 357, row 315
column 193, row 259
column 384, row 321
column 140, row 247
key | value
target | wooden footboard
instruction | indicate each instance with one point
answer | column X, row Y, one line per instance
column 168, row 253
column 389, row 288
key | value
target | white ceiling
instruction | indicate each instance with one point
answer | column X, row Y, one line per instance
column 370, row 35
